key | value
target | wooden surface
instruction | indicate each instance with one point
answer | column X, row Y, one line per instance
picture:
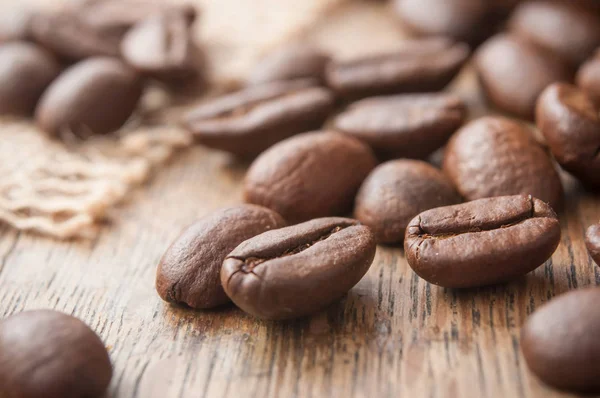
column 392, row 336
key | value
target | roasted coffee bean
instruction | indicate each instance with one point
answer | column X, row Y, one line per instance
column 588, row 77
column 561, row 27
column 298, row 270
column 95, row 96
column 25, row 72
column 249, row 121
column 189, row 272
column 496, row 156
column 397, row 191
column 71, row 39
column 570, row 122
column 162, row 47
column 482, row 242
column 15, row 25
column 560, row 341
column 403, row 126
column 422, row 66
column 592, row 242
column 308, row 176
column 513, row 73
column 49, row 354
column 297, row 61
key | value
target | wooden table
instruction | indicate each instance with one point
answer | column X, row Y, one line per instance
column 393, row 335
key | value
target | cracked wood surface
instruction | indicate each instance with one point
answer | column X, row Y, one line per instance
column 393, row 335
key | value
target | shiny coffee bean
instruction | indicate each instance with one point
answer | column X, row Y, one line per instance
column 297, row 61
column 588, row 77
column 397, row 191
column 570, row 122
column 592, row 242
column 483, row 242
column 560, row 341
column 189, row 272
column 298, row 270
column 403, row 126
column 95, row 96
column 495, row 156
column 249, row 121
column 513, row 73
column 309, row 176
column 15, row 25
column 421, row 66
column 570, row 32
column 25, row 72
column 45, row 353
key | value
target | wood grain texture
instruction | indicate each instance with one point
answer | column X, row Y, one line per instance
column 393, row 335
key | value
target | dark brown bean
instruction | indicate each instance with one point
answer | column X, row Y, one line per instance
column 592, row 242
column 421, row 66
column 45, row 353
column 25, row 72
column 495, row 156
column 570, row 122
column 560, row 341
column 249, row 121
column 95, row 96
column 298, row 270
column 403, row 126
column 561, row 27
column 189, row 272
column 513, row 73
column 588, row 77
column 482, row 242
column 296, row 61
column 308, row 176
column 397, row 191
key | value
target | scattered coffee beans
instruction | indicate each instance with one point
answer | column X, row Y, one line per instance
column 403, row 126
column 561, row 27
column 189, row 272
column 421, row 66
column 49, row 354
column 25, row 72
column 513, row 73
column 560, row 341
column 397, row 191
column 570, row 122
column 496, row 156
column 308, row 176
column 249, row 121
column 592, row 242
column 297, row 61
column 298, row 270
column 588, row 77
column 482, row 242
column 95, row 96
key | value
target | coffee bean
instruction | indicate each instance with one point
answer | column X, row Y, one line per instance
column 495, row 156
column 95, row 96
column 15, row 25
column 45, row 353
column 423, row 65
column 482, row 242
column 162, row 47
column 397, row 191
column 565, row 29
column 189, row 272
column 25, row 72
column 308, row 176
column 403, row 126
column 249, row 121
column 592, row 242
column 560, row 341
column 66, row 35
column 588, row 77
column 513, row 73
column 298, row 270
column 297, row 61
column 570, row 122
